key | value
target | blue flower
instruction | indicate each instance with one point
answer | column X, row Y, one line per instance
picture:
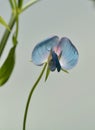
column 59, row 54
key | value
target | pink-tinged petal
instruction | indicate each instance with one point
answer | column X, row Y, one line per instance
column 57, row 49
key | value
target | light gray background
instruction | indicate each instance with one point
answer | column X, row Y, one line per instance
column 65, row 101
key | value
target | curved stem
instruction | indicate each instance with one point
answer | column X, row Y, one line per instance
column 30, row 95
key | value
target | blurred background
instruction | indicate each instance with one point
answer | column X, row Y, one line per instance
column 65, row 101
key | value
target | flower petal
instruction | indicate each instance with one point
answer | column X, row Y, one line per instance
column 42, row 50
column 69, row 54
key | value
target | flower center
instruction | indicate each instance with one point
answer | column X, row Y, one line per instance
column 54, row 62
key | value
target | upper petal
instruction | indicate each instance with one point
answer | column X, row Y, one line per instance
column 42, row 50
column 69, row 54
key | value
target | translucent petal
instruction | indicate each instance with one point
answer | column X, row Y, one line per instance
column 42, row 50
column 69, row 54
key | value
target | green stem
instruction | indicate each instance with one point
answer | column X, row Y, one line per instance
column 6, row 34
column 20, row 3
column 30, row 95
column 11, row 4
column 17, row 26
column 12, row 21
column 31, row 2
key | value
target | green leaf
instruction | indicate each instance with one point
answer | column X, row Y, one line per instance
column 47, row 73
column 7, row 67
column 64, row 70
column 2, row 21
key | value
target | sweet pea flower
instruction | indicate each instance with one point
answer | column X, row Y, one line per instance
column 59, row 54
